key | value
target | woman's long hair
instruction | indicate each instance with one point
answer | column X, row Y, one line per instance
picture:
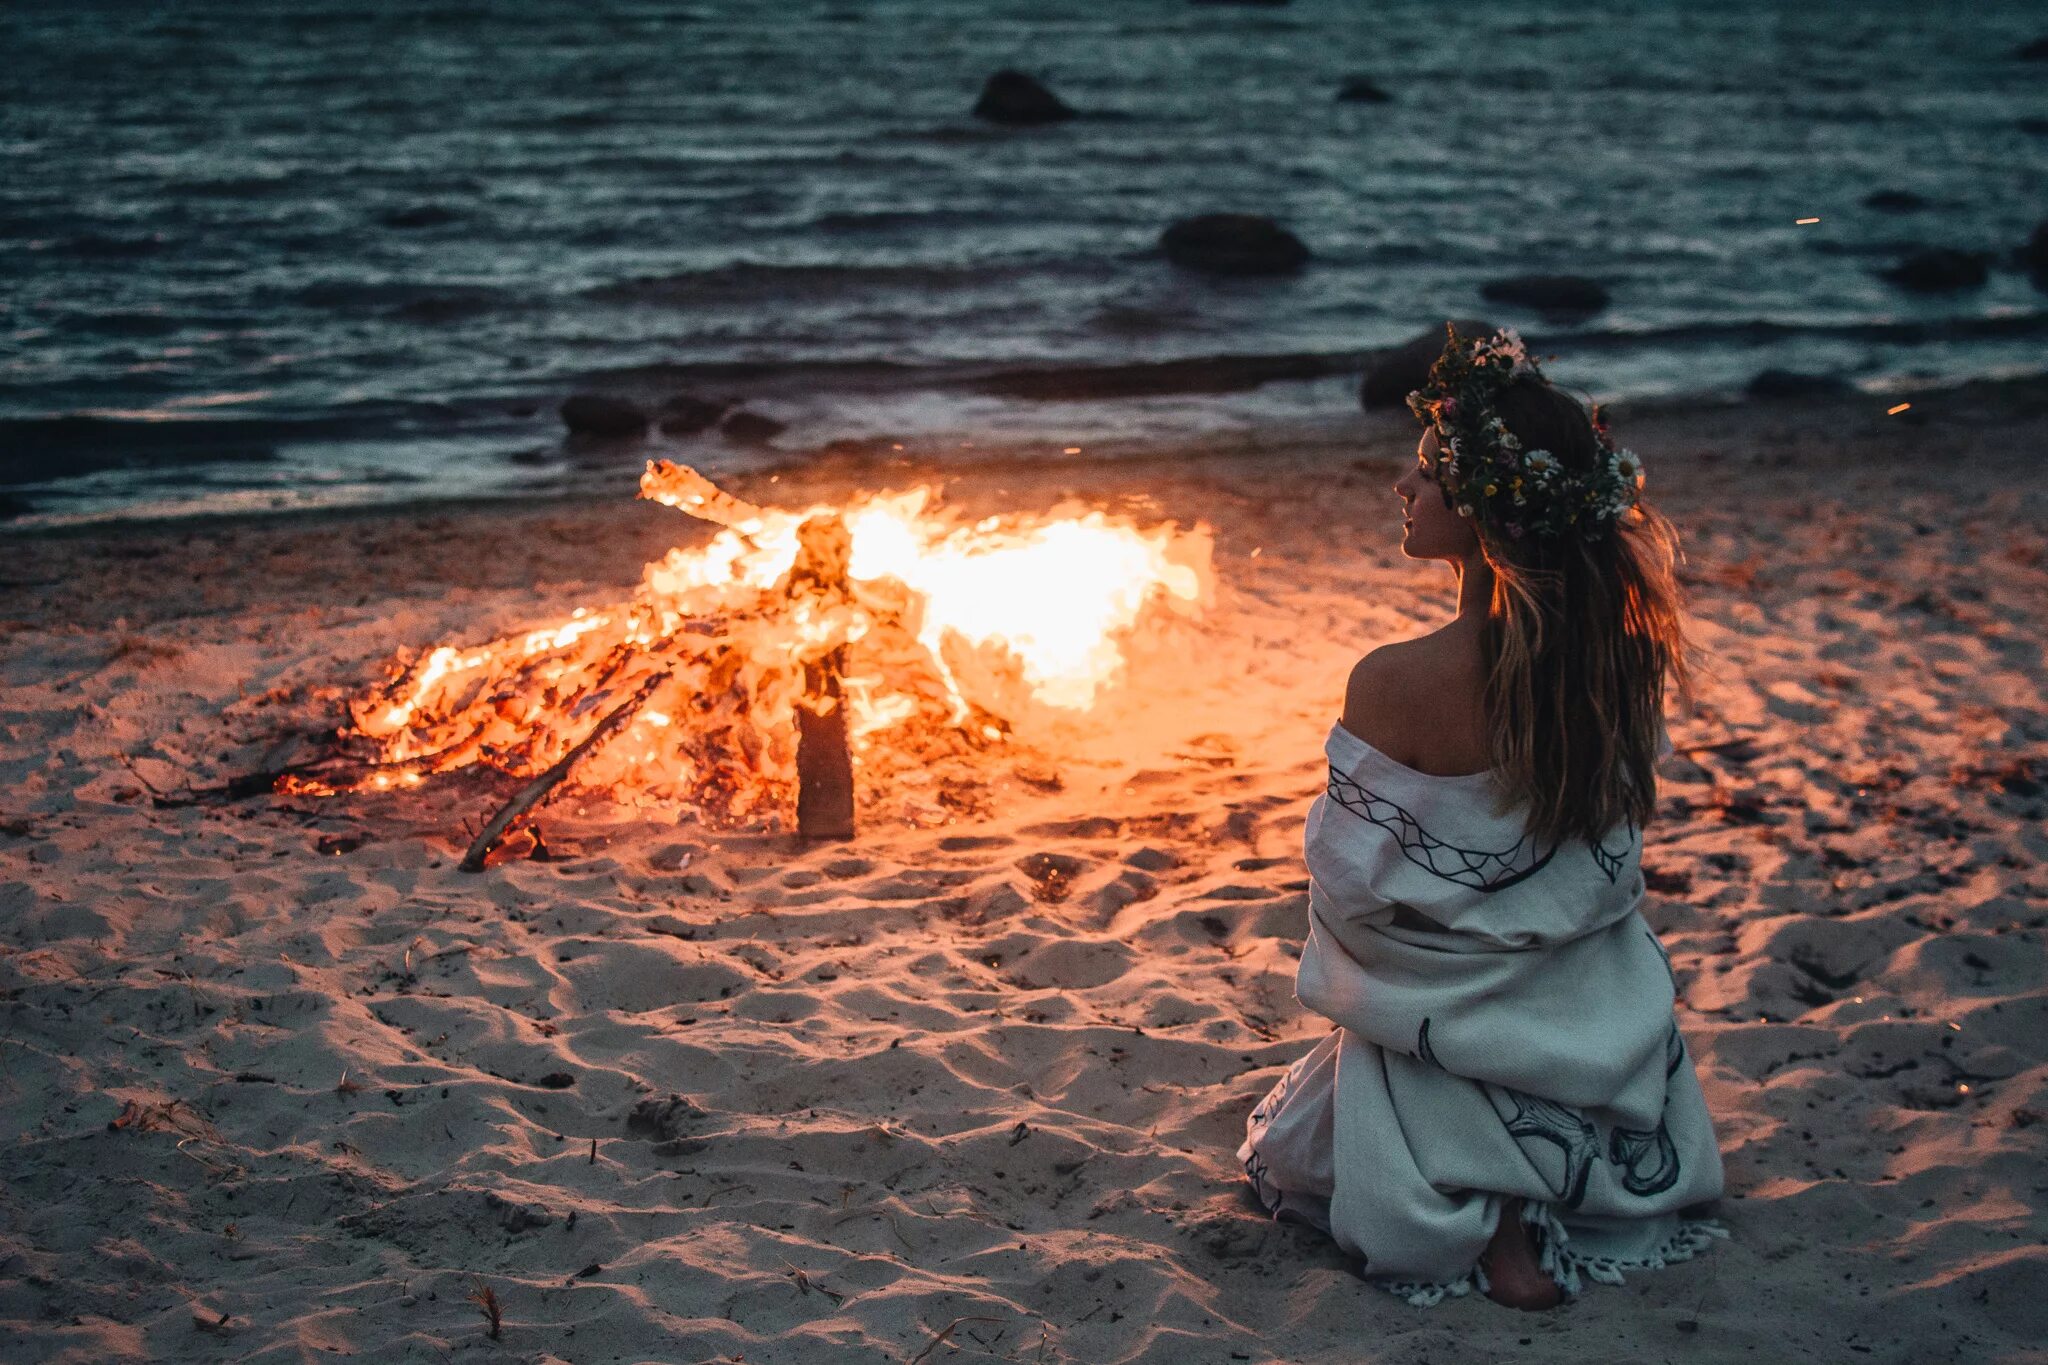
column 1583, row 637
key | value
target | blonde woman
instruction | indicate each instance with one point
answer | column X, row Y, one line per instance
column 1506, row 1102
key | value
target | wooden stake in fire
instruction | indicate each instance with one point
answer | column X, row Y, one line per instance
column 824, row 763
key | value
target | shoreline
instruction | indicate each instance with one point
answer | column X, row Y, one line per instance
column 617, row 464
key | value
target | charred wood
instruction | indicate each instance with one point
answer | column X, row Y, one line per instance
column 542, row 787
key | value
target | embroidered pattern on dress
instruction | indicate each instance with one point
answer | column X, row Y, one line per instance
column 1422, row 1048
column 1564, row 1128
column 1476, row 868
column 1610, row 863
column 1629, row 1148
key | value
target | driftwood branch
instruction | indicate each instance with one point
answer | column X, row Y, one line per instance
column 261, row 782
column 542, row 787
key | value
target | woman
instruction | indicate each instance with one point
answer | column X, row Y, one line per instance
column 1506, row 1099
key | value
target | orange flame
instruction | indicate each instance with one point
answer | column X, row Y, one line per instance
column 955, row 631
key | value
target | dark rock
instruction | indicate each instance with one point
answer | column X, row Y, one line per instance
column 2036, row 51
column 1359, row 90
column 556, row 1080
column 1018, row 100
column 420, row 216
column 751, row 428
column 1233, row 244
column 686, row 414
column 593, row 414
column 1548, row 293
column 1894, row 201
column 2034, row 255
column 1395, row 372
column 1776, row 384
column 1938, row 270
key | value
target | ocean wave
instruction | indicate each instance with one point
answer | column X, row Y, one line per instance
column 112, row 246
column 58, row 446
column 760, row 282
column 413, row 300
column 1764, row 331
column 902, row 220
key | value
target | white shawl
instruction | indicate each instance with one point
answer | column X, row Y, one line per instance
column 1505, row 1028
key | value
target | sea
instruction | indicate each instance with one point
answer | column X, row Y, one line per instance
column 261, row 255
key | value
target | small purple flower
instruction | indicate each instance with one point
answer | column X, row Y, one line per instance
column 1515, row 530
column 1448, row 408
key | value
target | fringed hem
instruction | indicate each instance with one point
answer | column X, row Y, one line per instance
column 1564, row 1265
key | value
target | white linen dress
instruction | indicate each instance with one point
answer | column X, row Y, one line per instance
column 1504, row 1026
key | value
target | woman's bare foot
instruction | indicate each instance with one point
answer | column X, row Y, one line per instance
column 1513, row 1275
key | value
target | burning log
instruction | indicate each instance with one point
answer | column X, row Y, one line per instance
column 824, row 762
column 538, row 790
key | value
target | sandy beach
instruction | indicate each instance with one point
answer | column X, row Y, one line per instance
column 278, row 1082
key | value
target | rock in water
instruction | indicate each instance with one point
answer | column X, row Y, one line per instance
column 1359, row 90
column 1395, row 372
column 1013, row 98
column 1938, row 270
column 686, row 414
column 1548, row 293
column 751, row 428
column 1771, row 384
column 1233, row 244
column 594, row 414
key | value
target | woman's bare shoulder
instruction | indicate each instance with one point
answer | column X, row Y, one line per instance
column 1398, row 692
column 1380, row 697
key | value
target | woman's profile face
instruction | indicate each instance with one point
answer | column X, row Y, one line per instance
column 1432, row 528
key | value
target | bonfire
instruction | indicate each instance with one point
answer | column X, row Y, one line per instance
column 746, row 678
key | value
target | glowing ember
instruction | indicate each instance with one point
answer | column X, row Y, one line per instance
column 956, row 632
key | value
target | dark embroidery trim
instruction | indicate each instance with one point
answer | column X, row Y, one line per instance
column 1422, row 1048
column 1610, row 863
column 1563, row 1128
column 1476, row 868
column 1473, row 867
column 1628, row 1148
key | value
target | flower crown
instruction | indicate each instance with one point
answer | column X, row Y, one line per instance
column 1484, row 469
